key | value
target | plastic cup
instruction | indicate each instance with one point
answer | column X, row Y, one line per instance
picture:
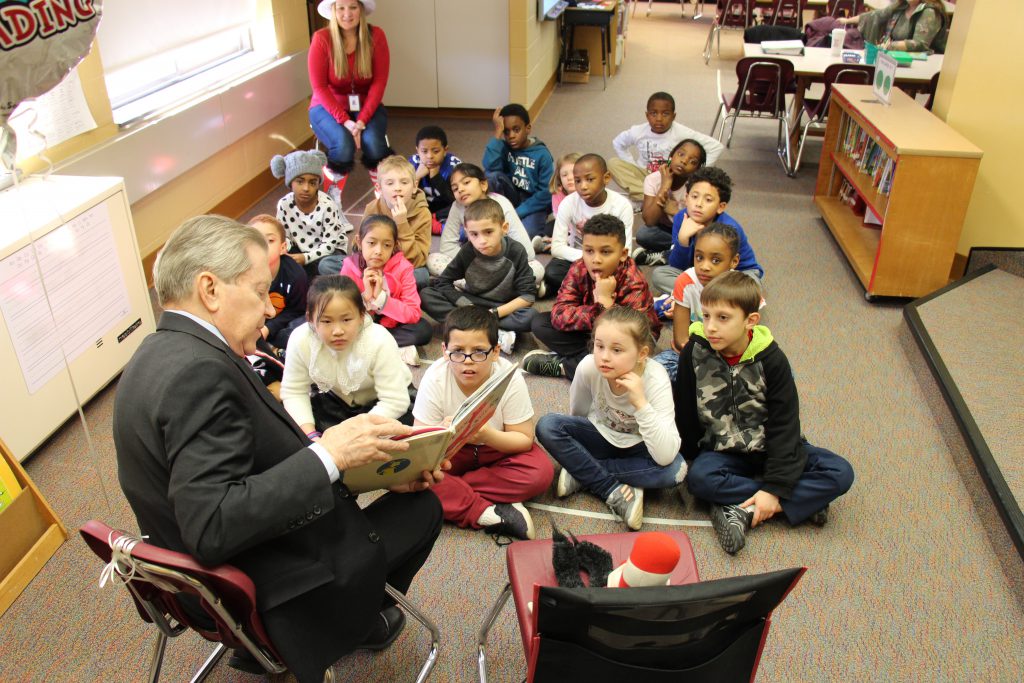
column 838, row 38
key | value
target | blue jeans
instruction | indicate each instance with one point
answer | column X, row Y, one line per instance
column 599, row 466
column 535, row 223
column 669, row 359
column 731, row 478
column 330, row 265
column 341, row 148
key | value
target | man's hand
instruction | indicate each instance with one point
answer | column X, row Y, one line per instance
column 604, row 290
column 499, row 123
column 688, row 229
column 362, row 439
column 399, row 210
column 426, row 480
column 766, row 506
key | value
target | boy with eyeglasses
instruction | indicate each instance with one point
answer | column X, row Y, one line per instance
column 653, row 142
column 502, row 465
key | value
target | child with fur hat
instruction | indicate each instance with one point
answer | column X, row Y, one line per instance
column 316, row 226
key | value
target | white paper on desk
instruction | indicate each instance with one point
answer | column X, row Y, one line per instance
column 782, row 47
column 86, row 290
column 59, row 115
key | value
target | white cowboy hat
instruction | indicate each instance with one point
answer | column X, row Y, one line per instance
column 326, row 7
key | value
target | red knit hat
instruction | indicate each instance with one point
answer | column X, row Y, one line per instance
column 651, row 562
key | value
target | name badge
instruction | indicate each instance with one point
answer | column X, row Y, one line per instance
column 353, row 102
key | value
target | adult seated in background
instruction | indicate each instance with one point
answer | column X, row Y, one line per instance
column 348, row 71
column 909, row 25
column 213, row 466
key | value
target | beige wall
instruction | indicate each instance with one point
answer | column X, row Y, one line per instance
column 533, row 47
column 212, row 181
column 981, row 95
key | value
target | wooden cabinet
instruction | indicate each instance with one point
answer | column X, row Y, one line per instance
column 446, row 53
column 908, row 168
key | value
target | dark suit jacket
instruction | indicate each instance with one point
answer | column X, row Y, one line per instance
column 213, row 466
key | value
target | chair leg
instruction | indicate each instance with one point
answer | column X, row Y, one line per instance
column 800, row 149
column 714, row 126
column 785, row 155
column 208, row 665
column 156, row 659
column 485, row 629
column 732, row 128
column 435, row 635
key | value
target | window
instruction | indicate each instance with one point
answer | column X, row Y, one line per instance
column 156, row 54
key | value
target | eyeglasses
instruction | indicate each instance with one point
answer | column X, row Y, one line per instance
column 475, row 356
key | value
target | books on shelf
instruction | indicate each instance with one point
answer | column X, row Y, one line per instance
column 782, row 47
column 867, row 156
column 430, row 446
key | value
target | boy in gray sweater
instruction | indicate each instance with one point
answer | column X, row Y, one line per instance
column 496, row 271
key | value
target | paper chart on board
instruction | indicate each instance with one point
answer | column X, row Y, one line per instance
column 86, row 290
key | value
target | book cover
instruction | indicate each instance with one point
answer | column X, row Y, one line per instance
column 430, row 446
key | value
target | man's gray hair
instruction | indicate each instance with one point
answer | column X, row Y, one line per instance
column 204, row 243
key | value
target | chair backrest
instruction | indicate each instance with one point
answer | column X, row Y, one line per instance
column 861, row 74
column 844, row 8
column 160, row 581
column 700, row 632
column 736, row 14
column 789, row 13
column 762, row 85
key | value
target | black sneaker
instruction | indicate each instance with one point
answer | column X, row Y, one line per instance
column 543, row 363
column 515, row 521
column 731, row 523
column 385, row 629
column 819, row 518
column 649, row 258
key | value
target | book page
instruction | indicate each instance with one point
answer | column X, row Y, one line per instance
column 86, row 290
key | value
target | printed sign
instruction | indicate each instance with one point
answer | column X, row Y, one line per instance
column 885, row 77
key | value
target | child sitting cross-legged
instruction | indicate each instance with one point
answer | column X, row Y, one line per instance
column 496, row 271
column 434, row 165
column 708, row 191
column 315, row 225
column 738, row 411
column 385, row 278
column 592, row 197
column 348, row 363
column 502, row 466
column 405, row 204
column 664, row 196
column 470, row 184
column 605, row 276
column 619, row 437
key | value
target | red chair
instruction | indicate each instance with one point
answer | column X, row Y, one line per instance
column 155, row 577
column 817, row 110
column 688, row 630
column 788, row 13
column 763, row 83
column 732, row 14
column 844, row 8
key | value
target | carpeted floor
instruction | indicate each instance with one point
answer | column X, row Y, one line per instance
column 914, row 577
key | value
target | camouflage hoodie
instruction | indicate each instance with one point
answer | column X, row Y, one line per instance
column 749, row 408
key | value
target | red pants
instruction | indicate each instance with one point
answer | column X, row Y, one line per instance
column 481, row 476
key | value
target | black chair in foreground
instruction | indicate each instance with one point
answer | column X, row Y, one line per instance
column 156, row 578
column 697, row 632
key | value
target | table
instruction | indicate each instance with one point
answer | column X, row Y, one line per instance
column 810, row 68
column 600, row 17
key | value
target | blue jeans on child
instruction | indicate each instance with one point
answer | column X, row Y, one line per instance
column 731, row 478
column 535, row 223
column 669, row 359
column 339, row 145
column 599, row 466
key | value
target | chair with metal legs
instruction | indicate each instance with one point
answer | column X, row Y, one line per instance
column 156, row 578
column 816, row 110
column 731, row 14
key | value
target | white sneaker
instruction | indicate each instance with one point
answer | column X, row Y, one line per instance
column 567, row 484
column 542, row 289
column 506, row 340
column 541, row 244
column 409, row 356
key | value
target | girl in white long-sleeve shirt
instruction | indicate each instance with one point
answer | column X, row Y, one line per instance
column 340, row 363
column 621, row 435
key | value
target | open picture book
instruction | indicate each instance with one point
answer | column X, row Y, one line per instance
column 430, row 446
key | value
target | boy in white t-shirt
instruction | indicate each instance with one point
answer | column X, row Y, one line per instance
column 592, row 197
column 502, row 465
column 653, row 142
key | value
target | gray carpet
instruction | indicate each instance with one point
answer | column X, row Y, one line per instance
column 913, row 579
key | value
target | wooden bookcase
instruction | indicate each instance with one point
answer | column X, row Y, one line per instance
column 923, row 207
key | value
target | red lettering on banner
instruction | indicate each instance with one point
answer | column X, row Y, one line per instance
column 63, row 14
column 21, row 20
column 46, row 27
column 84, row 9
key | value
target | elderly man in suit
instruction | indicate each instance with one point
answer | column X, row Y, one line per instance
column 214, row 467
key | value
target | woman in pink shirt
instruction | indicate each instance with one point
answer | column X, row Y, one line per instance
column 348, row 71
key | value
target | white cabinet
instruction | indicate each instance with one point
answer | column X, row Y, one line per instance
column 446, row 53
